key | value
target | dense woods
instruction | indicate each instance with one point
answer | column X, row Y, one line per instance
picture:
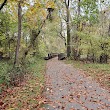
column 80, row 28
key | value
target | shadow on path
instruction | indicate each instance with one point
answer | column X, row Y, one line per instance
column 69, row 89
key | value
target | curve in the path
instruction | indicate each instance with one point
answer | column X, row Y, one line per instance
column 69, row 89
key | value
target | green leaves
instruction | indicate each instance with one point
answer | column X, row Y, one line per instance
column 91, row 11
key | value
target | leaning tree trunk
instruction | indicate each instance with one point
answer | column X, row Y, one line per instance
column 35, row 34
column 19, row 34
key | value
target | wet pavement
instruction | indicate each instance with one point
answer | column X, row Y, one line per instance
column 70, row 89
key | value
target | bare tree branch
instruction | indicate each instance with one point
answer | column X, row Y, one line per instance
column 3, row 4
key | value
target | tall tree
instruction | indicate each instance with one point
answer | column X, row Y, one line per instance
column 77, row 39
column 67, row 4
column 19, row 32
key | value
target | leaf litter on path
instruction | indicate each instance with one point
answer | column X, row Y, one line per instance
column 72, row 89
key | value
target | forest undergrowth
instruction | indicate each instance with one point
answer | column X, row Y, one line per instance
column 27, row 94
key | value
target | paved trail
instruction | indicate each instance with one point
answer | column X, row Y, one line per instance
column 69, row 89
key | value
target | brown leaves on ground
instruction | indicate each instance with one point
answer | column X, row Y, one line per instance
column 25, row 97
column 102, row 77
column 99, row 72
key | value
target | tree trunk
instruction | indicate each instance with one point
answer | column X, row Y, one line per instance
column 103, row 58
column 19, row 33
column 78, row 24
column 9, row 54
column 77, row 40
column 35, row 34
column 68, row 28
column 109, row 30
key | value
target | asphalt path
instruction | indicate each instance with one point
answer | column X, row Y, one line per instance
column 70, row 89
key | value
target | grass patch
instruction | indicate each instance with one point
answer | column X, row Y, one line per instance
column 100, row 72
column 5, row 67
column 29, row 94
column 37, row 68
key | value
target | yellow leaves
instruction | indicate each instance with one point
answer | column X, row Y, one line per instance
column 1, row 1
column 35, row 14
column 80, row 26
column 50, row 4
column 38, row 5
column 33, row 10
column 44, row 13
